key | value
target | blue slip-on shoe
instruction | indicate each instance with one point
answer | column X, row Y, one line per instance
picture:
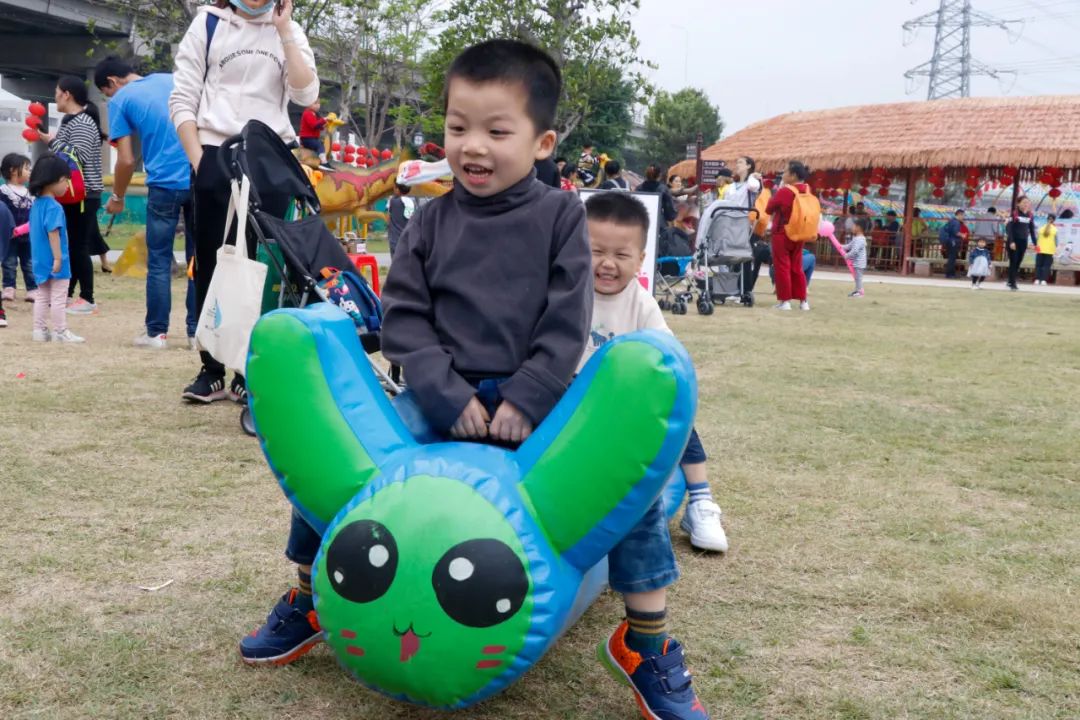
column 661, row 681
column 288, row 634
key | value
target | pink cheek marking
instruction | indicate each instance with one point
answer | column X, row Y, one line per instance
column 348, row 634
column 486, row 664
column 493, row 649
column 354, row 650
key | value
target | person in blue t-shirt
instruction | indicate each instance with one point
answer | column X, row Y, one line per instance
column 49, row 250
column 140, row 106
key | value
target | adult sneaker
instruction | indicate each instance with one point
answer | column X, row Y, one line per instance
column 661, row 681
column 81, row 307
column 66, row 336
column 206, row 388
column 192, row 345
column 238, row 390
column 701, row 521
column 288, row 634
column 157, row 342
column 42, row 336
column 31, row 296
column 786, row 305
column 8, row 294
column 804, row 305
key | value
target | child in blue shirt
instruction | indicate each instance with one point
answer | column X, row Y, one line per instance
column 49, row 249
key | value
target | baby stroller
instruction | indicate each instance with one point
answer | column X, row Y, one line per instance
column 723, row 249
column 674, row 282
column 307, row 263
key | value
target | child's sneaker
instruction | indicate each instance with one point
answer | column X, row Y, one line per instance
column 8, row 294
column 855, row 294
column 66, row 336
column 701, row 521
column 81, row 307
column 660, row 681
column 157, row 342
column 3, row 318
column 287, row 635
column 42, row 336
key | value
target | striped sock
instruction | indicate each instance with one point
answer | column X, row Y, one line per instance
column 699, row 491
column 648, row 630
column 304, row 600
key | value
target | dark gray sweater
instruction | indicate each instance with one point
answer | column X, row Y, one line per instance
column 490, row 287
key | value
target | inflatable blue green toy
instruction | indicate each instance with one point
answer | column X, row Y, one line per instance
column 446, row 570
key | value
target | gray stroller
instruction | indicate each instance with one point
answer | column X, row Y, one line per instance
column 723, row 249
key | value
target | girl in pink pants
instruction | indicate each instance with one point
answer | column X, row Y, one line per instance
column 49, row 250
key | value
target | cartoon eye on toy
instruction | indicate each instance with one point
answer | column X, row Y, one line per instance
column 446, row 570
column 362, row 561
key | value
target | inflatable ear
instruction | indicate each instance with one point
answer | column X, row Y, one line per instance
column 314, row 409
column 598, row 461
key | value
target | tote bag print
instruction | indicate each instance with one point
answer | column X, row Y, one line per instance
column 234, row 299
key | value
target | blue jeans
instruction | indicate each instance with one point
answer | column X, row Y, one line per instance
column 15, row 256
column 643, row 560
column 163, row 210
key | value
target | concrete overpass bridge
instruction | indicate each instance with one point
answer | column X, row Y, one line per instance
column 43, row 39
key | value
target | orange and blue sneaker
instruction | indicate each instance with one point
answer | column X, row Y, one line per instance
column 288, row 634
column 660, row 681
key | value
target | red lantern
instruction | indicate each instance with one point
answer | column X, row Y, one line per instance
column 349, row 157
column 31, row 135
column 883, row 192
column 1054, row 193
column 864, row 190
column 350, row 149
column 972, row 182
column 939, row 193
column 336, row 147
column 33, row 122
column 769, row 184
column 969, row 193
column 361, row 150
column 387, row 154
column 37, row 109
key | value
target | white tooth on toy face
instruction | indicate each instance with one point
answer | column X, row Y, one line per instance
column 339, row 577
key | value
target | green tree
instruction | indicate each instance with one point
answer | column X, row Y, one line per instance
column 674, row 121
column 581, row 35
column 610, row 118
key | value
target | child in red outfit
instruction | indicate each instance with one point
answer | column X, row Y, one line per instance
column 311, row 127
column 787, row 255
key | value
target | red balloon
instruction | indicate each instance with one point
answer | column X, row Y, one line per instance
column 387, row 154
column 33, row 121
column 37, row 109
column 336, row 147
column 31, row 135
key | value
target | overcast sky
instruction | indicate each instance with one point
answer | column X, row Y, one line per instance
column 760, row 59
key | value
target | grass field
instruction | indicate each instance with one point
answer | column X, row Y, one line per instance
column 121, row 233
column 898, row 474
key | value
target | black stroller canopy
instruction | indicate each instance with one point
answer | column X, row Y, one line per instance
column 260, row 154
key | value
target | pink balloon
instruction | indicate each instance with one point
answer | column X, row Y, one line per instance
column 826, row 229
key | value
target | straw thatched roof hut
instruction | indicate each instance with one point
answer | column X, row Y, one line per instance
column 1026, row 132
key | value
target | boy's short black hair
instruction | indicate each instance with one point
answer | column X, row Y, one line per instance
column 560, row 159
column 959, row 213
column 863, row 224
column 891, row 213
column 512, row 61
column 619, row 208
column 11, row 163
column 992, row 210
column 111, row 66
column 613, row 167
column 48, row 169
column 403, row 189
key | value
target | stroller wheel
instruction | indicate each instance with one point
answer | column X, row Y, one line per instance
column 664, row 304
column 247, row 423
column 704, row 307
column 679, row 308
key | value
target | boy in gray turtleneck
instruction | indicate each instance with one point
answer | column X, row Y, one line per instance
column 488, row 301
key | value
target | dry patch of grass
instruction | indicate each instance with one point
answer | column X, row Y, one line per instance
column 901, row 502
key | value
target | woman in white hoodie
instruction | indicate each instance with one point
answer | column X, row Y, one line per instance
column 240, row 60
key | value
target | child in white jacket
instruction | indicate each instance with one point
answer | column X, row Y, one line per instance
column 240, row 60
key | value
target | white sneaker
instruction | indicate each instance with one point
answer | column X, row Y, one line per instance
column 701, row 521
column 158, row 342
column 42, row 336
column 81, row 307
column 67, row 337
column 192, row 344
column 804, row 305
column 786, row 305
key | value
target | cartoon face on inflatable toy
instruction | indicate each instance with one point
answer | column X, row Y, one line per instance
column 447, row 569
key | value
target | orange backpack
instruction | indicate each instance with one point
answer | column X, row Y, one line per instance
column 759, row 219
column 805, row 217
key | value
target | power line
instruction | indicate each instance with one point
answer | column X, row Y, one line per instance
column 951, row 67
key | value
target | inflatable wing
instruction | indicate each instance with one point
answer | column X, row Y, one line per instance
column 446, row 570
